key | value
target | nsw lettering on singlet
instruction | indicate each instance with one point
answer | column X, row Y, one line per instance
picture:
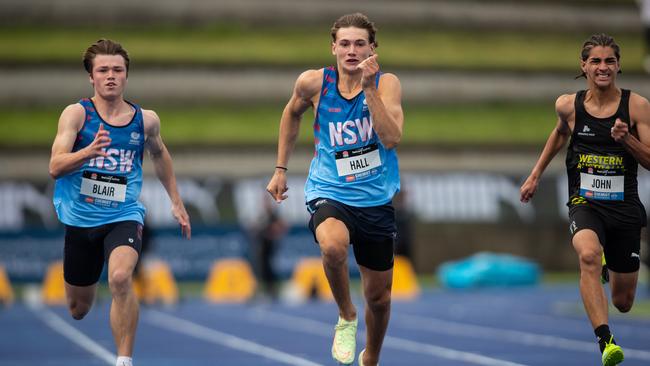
column 103, row 188
column 359, row 162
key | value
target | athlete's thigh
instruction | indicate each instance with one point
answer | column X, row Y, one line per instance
column 374, row 240
column 122, row 245
column 330, row 222
column 622, row 251
column 122, row 258
column 83, row 256
column 587, row 229
column 586, row 241
column 332, row 231
column 374, row 253
column 623, row 283
column 82, row 294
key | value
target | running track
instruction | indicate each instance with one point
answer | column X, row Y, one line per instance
column 497, row 327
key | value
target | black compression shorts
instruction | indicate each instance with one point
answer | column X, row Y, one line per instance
column 372, row 230
column 86, row 249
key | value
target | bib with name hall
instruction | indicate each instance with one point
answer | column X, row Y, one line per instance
column 350, row 164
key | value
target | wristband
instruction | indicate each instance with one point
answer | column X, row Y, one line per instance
column 281, row 167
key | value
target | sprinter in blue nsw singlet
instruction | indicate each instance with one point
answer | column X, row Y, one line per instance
column 351, row 164
column 104, row 189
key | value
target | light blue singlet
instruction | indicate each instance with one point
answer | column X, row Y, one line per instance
column 350, row 164
column 104, row 189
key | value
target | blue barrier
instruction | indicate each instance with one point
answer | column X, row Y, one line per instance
column 489, row 269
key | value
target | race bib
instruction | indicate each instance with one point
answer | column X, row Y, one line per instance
column 358, row 163
column 602, row 187
column 103, row 189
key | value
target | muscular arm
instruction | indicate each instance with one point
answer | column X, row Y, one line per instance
column 62, row 159
column 162, row 162
column 306, row 88
column 557, row 139
column 384, row 103
column 638, row 146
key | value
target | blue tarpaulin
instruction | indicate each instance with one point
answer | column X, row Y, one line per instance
column 487, row 270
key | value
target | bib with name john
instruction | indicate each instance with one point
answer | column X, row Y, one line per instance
column 601, row 172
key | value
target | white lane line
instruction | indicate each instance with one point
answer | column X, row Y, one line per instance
column 310, row 326
column 73, row 334
column 189, row 328
column 513, row 336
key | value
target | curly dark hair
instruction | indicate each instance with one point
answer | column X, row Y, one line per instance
column 600, row 39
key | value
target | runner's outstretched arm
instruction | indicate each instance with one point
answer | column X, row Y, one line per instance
column 162, row 162
column 557, row 139
column 305, row 89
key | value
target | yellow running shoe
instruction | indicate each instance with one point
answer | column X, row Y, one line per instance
column 344, row 346
column 612, row 354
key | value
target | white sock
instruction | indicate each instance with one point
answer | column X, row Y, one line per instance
column 124, row 361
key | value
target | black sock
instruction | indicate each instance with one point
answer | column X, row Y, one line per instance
column 603, row 334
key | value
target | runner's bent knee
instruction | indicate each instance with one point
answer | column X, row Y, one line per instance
column 78, row 309
column 623, row 302
column 119, row 280
column 379, row 301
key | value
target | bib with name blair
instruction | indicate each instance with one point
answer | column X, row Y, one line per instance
column 104, row 189
column 350, row 163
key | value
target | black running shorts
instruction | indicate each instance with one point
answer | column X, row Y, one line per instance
column 620, row 242
column 372, row 230
column 86, row 249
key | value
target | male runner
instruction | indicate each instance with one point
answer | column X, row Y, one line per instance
column 352, row 178
column 97, row 163
column 609, row 130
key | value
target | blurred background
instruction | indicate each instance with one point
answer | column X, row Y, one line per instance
column 479, row 82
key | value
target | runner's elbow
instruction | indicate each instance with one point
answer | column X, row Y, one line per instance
column 54, row 171
column 392, row 142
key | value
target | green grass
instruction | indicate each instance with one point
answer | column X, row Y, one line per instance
column 234, row 125
column 242, row 46
column 561, row 277
column 640, row 309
